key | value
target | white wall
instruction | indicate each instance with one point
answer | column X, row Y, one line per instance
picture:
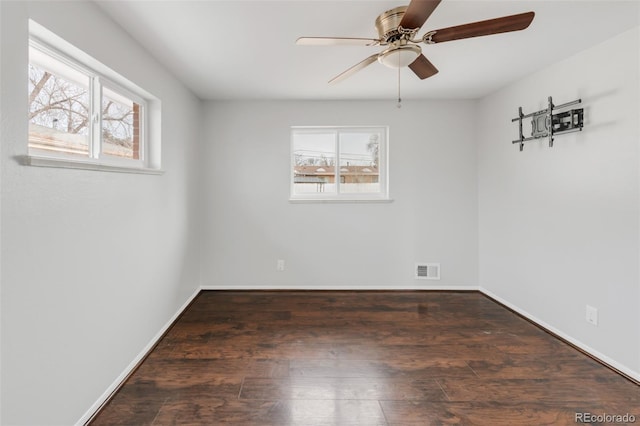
column 546, row 230
column 249, row 222
column 558, row 227
column 93, row 263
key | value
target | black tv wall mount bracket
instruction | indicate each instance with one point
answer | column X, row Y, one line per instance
column 546, row 124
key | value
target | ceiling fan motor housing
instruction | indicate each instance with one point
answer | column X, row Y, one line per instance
column 388, row 22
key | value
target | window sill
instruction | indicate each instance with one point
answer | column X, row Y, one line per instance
column 340, row 200
column 29, row 160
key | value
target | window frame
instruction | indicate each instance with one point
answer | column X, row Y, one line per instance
column 143, row 142
column 383, row 166
column 99, row 76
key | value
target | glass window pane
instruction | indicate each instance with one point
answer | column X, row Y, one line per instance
column 359, row 162
column 120, row 125
column 314, row 160
column 58, row 109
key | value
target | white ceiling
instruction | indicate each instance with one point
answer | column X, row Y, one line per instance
column 243, row 49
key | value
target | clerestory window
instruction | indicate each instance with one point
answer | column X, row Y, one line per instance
column 79, row 115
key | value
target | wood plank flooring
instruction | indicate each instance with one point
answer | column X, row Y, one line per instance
column 362, row 358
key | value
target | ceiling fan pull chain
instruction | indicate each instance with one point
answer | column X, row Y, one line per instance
column 399, row 98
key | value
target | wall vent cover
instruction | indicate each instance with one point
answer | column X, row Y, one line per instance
column 427, row 271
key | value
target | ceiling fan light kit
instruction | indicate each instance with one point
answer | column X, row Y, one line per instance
column 397, row 29
column 400, row 56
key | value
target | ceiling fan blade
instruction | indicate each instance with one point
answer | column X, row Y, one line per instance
column 476, row 29
column 354, row 69
column 417, row 13
column 336, row 41
column 423, row 68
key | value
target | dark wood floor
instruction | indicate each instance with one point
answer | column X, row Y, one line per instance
column 363, row 358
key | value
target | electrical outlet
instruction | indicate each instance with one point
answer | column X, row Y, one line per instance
column 592, row 315
column 280, row 265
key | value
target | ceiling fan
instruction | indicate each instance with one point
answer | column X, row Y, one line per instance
column 398, row 27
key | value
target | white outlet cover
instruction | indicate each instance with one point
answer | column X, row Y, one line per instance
column 592, row 315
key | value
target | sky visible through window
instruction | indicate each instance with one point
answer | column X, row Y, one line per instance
column 356, row 148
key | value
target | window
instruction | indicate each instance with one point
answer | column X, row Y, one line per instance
column 80, row 115
column 339, row 163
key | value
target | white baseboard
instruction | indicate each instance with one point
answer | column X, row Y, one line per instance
column 122, row 377
column 586, row 348
column 341, row 287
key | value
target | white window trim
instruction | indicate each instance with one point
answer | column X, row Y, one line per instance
column 338, row 197
column 149, row 162
column 63, row 163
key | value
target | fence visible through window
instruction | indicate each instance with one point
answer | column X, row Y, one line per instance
column 338, row 162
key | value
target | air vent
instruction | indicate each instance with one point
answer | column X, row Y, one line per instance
column 427, row 271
